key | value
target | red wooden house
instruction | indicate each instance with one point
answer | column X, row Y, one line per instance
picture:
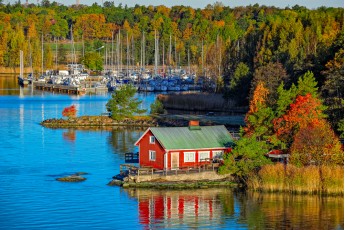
column 177, row 147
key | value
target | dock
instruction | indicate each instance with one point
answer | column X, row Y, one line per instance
column 59, row 88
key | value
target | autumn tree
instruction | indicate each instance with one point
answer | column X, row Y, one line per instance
column 333, row 90
column 273, row 74
column 259, row 117
column 70, row 111
column 249, row 152
column 303, row 111
column 316, row 144
column 93, row 61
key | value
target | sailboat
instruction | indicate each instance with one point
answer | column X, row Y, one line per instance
column 21, row 80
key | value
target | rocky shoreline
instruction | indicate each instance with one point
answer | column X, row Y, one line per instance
column 174, row 185
column 104, row 121
column 97, row 121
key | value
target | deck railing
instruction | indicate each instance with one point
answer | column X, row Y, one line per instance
column 147, row 170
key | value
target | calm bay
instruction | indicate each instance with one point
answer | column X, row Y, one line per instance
column 32, row 157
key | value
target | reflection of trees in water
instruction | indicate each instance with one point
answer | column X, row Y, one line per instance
column 122, row 139
column 253, row 210
column 70, row 135
column 8, row 83
column 285, row 211
column 193, row 208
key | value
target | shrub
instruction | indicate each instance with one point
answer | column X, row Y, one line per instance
column 157, row 107
column 70, row 111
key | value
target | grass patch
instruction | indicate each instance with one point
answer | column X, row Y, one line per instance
column 305, row 180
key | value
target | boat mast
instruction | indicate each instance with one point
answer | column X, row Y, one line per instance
column 133, row 54
column 42, row 55
column 112, row 52
column 155, row 70
column 30, row 58
column 127, row 54
column 56, row 53
column 106, row 56
column 170, row 51
column 163, row 55
column 144, row 51
column 21, row 66
column 175, row 54
column 188, row 62
column 120, row 50
column 202, row 57
column 72, row 47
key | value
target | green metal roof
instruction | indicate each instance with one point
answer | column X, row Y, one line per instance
column 185, row 138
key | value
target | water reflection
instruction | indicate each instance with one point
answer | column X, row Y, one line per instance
column 69, row 135
column 183, row 208
column 225, row 208
column 272, row 211
column 122, row 139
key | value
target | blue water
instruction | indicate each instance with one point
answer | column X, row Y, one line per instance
column 32, row 157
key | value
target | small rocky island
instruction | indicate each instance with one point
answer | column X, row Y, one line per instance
column 99, row 121
column 76, row 177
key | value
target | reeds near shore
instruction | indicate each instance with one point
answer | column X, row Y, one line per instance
column 199, row 102
column 306, row 180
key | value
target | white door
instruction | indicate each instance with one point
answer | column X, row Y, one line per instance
column 175, row 160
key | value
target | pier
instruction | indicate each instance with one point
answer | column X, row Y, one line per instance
column 59, row 88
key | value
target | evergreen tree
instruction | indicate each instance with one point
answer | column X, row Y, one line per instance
column 123, row 104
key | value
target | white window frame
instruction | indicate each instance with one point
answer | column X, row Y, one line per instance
column 152, row 139
column 189, row 156
column 151, row 154
column 217, row 154
column 204, row 157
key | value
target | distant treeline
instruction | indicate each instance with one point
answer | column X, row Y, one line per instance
column 236, row 47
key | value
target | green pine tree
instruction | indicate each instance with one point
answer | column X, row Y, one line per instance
column 123, row 104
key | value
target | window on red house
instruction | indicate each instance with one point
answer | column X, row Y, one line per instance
column 204, row 155
column 152, row 139
column 152, row 155
column 189, row 156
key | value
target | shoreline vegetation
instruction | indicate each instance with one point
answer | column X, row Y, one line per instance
column 322, row 180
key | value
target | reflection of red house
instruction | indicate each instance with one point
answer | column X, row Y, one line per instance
column 176, row 147
column 171, row 209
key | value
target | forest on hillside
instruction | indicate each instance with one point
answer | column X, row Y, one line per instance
column 236, row 47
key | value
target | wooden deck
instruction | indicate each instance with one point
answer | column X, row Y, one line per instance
column 59, row 88
column 137, row 171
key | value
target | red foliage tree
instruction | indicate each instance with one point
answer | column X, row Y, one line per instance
column 304, row 111
column 70, row 111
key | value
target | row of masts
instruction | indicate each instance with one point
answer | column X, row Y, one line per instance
column 116, row 55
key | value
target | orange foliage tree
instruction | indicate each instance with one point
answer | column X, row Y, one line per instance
column 304, row 111
column 258, row 119
column 316, row 144
column 70, row 111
